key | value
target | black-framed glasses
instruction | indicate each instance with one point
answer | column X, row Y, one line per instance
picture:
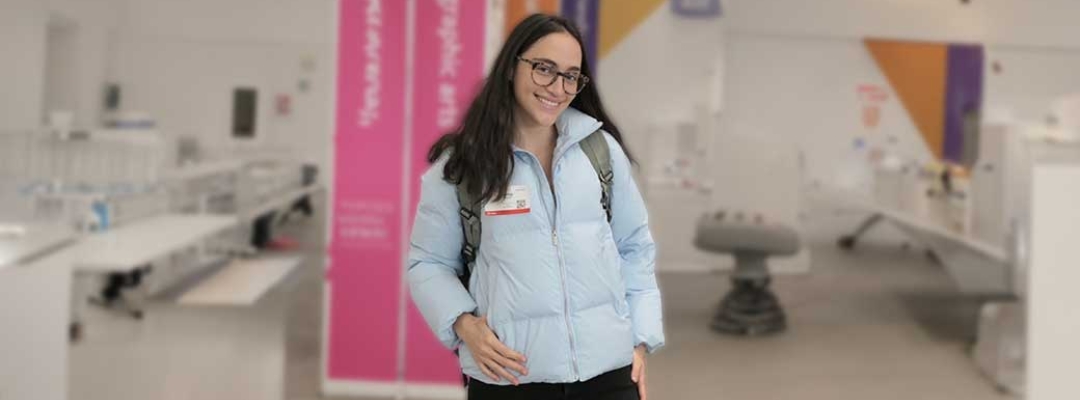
column 544, row 73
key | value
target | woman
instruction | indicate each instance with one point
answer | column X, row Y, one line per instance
column 561, row 303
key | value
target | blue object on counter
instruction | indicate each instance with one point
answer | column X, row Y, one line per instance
column 101, row 211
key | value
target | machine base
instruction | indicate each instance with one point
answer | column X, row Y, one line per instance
column 750, row 309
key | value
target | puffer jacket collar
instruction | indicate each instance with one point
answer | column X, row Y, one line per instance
column 573, row 126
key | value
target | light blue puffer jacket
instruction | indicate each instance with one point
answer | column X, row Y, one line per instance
column 559, row 284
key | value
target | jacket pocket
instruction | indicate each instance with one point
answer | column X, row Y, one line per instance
column 611, row 263
column 543, row 342
column 604, row 338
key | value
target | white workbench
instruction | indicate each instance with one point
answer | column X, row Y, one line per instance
column 35, row 240
column 278, row 202
column 132, row 246
column 40, row 332
column 976, row 267
column 202, row 170
column 929, row 229
column 243, row 282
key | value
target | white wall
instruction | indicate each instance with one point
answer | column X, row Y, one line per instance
column 61, row 65
column 790, row 70
column 239, row 21
column 804, row 91
column 811, row 51
column 657, row 74
column 661, row 70
column 179, row 62
column 188, row 86
column 1030, row 78
column 1034, row 41
column 75, row 86
column 649, row 87
column 802, row 88
column 22, row 43
column 1043, row 23
column 176, row 60
column 79, row 78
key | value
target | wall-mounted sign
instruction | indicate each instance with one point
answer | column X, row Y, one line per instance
column 871, row 97
column 697, row 8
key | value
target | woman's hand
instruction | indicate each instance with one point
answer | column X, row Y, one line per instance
column 637, row 371
column 491, row 355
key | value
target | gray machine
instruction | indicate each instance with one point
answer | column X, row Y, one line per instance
column 750, row 308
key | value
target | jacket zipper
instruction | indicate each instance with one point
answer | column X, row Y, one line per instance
column 562, row 266
column 566, row 304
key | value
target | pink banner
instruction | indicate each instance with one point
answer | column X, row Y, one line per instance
column 449, row 70
column 365, row 244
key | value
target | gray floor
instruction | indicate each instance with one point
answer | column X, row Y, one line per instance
column 880, row 323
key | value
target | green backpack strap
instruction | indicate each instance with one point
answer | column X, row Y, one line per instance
column 596, row 148
column 469, row 212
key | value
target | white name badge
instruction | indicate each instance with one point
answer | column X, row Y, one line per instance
column 515, row 202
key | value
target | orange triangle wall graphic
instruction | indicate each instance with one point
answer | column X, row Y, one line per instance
column 916, row 71
column 517, row 10
column 619, row 18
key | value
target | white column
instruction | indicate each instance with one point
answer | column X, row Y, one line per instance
column 34, row 304
column 1053, row 322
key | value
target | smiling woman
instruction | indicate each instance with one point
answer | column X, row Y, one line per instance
column 562, row 299
column 485, row 138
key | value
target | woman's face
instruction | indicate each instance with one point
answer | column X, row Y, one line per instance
column 539, row 105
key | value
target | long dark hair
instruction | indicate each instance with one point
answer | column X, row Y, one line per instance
column 481, row 152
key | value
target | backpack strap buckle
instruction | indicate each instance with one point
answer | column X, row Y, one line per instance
column 596, row 148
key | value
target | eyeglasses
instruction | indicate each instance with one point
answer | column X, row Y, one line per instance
column 544, row 73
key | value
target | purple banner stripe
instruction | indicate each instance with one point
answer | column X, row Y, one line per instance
column 586, row 16
column 963, row 95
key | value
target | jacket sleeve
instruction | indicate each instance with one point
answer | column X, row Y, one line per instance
column 434, row 261
column 630, row 226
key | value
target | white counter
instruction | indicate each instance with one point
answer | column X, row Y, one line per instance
column 242, row 282
column 129, row 247
column 278, row 202
column 37, row 240
column 976, row 267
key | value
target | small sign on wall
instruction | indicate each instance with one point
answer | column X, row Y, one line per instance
column 283, row 105
column 871, row 97
column 697, row 8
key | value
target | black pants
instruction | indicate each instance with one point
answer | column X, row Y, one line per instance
column 614, row 385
